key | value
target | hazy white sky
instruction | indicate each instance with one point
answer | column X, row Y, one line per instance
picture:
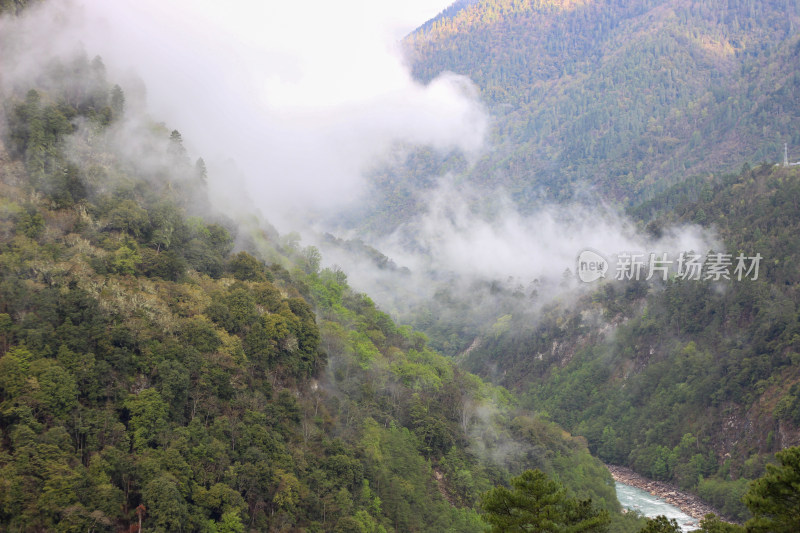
column 303, row 53
column 301, row 95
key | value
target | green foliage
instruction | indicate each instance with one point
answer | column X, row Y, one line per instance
column 230, row 522
column 148, row 418
column 712, row 524
column 774, row 499
column 147, row 373
column 683, row 356
column 626, row 97
column 221, row 392
column 725, row 495
column 245, row 267
column 31, row 224
column 407, row 494
column 166, row 508
column 661, row 524
column 788, row 407
column 125, row 260
column 537, row 503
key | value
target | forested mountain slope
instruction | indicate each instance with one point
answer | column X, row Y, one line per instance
column 697, row 382
column 166, row 366
column 621, row 97
column 644, row 104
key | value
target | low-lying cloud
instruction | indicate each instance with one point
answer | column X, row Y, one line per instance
column 470, row 231
column 291, row 104
column 470, row 241
column 301, row 97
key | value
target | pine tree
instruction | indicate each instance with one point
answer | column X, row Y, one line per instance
column 537, row 503
column 176, row 148
column 774, row 499
column 117, row 102
column 201, row 171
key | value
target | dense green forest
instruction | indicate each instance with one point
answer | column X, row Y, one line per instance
column 166, row 367
column 694, row 382
column 163, row 365
column 655, row 106
column 610, row 97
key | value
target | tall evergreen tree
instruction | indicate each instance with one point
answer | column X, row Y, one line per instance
column 117, row 102
column 537, row 503
column 774, row 499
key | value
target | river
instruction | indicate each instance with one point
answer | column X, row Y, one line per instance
column 651, row 506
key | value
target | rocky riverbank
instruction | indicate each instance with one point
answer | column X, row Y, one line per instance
column 688, row 503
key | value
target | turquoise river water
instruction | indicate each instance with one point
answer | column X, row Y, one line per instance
column 652, row 506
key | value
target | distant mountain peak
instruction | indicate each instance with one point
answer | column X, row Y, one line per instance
column 627, row 97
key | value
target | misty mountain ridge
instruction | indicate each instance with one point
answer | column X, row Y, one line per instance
column 167, row 366
column 622, row 97
column 593, row 104
column 171, row 361
column 665, row 108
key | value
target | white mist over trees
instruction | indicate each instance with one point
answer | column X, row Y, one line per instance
column 302, row 98
column 291, row 111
